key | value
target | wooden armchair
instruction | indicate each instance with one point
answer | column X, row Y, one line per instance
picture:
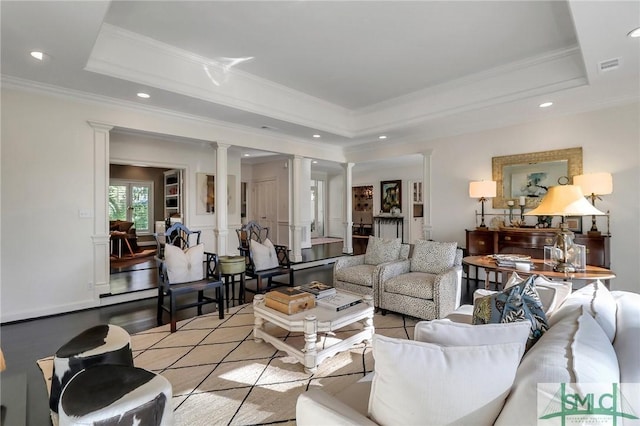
column 263, row 258
column 186, row 268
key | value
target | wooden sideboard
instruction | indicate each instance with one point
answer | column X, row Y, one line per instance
column 532, row 241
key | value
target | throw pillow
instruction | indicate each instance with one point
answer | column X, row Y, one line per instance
column 473, row 382
column 599, row 303
column 264, row 255
column 433, row 257
column 552, row 293
column 184, row 266
column 380, row 250
column 517, row 303
column 574, row 350
column 448, row 333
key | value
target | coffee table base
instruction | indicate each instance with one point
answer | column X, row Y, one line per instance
column 310, row 357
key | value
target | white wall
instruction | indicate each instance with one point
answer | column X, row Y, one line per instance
column 47, row 263
column 610, row 139
column 47, row 177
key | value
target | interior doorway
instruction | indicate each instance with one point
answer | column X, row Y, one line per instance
column 137, row 201
column 317, row 208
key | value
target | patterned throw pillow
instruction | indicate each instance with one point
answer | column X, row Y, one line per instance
column 433, row 257
column 517, row 303
column 380, row 250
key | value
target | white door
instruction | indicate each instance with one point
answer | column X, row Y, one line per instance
column 264, row 204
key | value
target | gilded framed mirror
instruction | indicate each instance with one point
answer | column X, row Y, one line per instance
column 530, row 175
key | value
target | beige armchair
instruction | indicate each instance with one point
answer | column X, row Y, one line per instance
column 360, row 274
column 427, row 286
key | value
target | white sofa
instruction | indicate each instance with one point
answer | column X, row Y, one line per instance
column 594, row 336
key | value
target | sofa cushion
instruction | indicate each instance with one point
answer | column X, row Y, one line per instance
column 380, row 250
column 599, row 303
column 517, row 303
column 263, row 254
column 184, row 266
column 627, row 341
column 448, row 333
column 433, row 257
column 414, row 284
column 358, row 274
column 403, row 390
column 575, row 349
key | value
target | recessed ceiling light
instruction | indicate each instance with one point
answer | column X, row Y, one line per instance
column 38, row 55
column 315, row 161
column 143, row 95
column 316, row 135
column 634, row 33
column 382, row 137
column 247, row 155
column 545, row 104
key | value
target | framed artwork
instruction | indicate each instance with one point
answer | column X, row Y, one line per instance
column 390, row 195
column 530, row 175
column 574, row 223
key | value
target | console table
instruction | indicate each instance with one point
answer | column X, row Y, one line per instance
column 398, row 220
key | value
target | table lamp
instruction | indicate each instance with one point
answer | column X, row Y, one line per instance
column 594, row 185
column 563, row 201
column 482, row 189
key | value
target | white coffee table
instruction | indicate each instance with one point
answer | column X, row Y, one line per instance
column 310, row 322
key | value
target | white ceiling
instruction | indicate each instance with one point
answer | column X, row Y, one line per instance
column 348, row 71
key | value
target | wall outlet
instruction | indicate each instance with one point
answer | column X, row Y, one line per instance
column 89, row 286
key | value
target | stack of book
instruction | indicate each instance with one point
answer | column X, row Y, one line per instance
column 289, row 300
column 339, row 301
column 318, row 289
column 510, row 260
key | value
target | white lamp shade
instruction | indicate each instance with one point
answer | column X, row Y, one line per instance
column 594, row 183
column 564, row 200
column 482, row 189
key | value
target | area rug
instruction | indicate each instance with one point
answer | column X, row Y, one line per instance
column 221, row 376
column 325, row 240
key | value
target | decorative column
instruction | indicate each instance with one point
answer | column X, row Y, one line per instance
column 221, row 232
column 426, row 194
column 347, row 247
column 295, row 227
column 100, row 235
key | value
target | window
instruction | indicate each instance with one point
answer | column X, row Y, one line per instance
column 132, row 201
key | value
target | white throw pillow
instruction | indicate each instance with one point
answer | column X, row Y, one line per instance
column 184, row 266
column 417, row 383
column 574, row 349
column 599, row 303
column 448, row 333
column 264, row 255
column 433, row 257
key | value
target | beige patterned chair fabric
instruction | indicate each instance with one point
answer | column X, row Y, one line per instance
column 419, row 294
column 359, row 274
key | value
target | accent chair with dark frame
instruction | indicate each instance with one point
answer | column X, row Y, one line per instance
column 177, row 277
column 263, row 258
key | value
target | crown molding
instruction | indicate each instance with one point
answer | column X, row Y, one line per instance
column 322, row 150
column 126, row 55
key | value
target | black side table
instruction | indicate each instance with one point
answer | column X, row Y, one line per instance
column 230, row 279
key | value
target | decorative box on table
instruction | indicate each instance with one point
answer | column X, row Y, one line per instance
column 289, row 300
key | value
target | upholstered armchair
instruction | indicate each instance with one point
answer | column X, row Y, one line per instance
column 360, row 274
column 427, row 286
